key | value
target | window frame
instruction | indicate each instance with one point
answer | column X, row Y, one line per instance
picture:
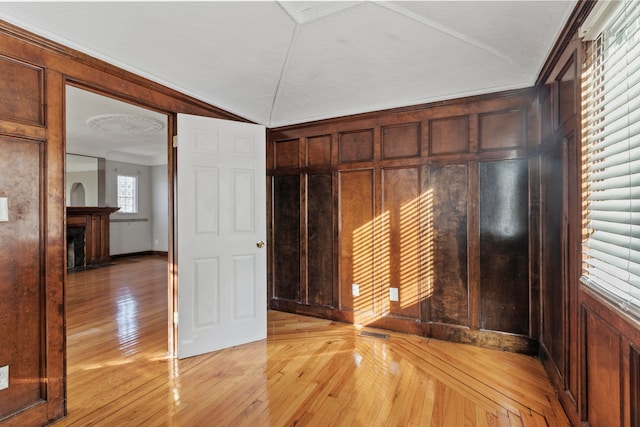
column 133, row 198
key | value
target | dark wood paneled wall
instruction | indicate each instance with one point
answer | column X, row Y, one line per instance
column 589, row 347
column 34, row 74
column 434, row 203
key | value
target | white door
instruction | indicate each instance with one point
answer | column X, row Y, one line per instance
column 221, row 220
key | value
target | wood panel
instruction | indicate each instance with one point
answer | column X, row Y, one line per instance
column 319, row 150
column 567, row 91
column 449, row 135
column 634, row 385
column 320, row 241
column 287, row 153
column 21, row 276
column 553, row 255
column 286, row 237
column 21, row 92
column 546, row 114
column 444, row 243
column 356, row 201
column 504, row 243
column 377, row 173
column 397, row 242
column 355, row 146
column 503, row 129
column 401, row 141
column 602, row 382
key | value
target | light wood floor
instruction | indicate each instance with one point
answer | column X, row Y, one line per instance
column 308, row 371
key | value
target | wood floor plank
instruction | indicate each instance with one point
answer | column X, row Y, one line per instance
column 308, row 372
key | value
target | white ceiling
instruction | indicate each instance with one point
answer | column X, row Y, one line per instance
column 112, row 142
column 280, row 63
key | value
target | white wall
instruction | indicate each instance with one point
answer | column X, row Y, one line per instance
column 129, row 233
column 90, row 182
column 160, row 208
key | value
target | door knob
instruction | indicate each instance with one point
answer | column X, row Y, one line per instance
column 260, row 244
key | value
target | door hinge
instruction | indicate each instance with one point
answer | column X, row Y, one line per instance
column 175, row 317
column 175, row 141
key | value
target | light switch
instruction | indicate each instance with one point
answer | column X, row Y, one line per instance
column 4, row 209
column 393, row 294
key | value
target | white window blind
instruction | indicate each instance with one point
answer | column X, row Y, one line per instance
column 611, row 127
column 128, row 194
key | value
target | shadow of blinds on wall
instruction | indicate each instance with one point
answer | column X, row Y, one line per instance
column 611, row 146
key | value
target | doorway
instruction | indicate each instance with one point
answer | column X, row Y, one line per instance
column 118, row 153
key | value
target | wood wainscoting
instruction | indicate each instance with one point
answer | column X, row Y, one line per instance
column 435, row 204
column 309, row 371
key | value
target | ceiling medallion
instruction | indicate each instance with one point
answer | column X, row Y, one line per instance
column 124, row 124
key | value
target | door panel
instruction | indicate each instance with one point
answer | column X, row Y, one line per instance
column 221, row 217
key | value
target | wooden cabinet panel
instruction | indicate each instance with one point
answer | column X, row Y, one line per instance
column 286, row 237
column 356, row 146
column 449, row 135
column 397, row 242
column 320, row 233
column 356, row 239
column 504, row 246
column 21, row 276
column 401, row 141
column 444, row 244
column 602, row 357
column 21, row 92
column 319, row 150
column 504, row 129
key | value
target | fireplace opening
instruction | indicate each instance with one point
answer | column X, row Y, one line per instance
column 75, row 247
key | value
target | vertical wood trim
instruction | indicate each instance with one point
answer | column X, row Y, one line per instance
column 55, row 235
column 634, row 385
column 304, row 240
column 565, row 265
column 425, row 139
column 473, row 233
column 172, row 291
column 534, row 248
column 336, row 237
column 379, row 291
column 425, row 312
column 582, row 402
column 474, row 133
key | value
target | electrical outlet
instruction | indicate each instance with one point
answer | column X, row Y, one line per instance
column 4, row 377
column 393, row 294
column 355, row 290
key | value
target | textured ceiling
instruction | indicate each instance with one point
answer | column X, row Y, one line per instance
column 279, row 63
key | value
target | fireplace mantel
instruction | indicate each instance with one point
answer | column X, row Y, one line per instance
column 95, row 221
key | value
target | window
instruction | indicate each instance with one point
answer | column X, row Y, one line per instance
column 611, row 167
column 128, row 194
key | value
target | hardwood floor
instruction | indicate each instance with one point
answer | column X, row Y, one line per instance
column 309, row 371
